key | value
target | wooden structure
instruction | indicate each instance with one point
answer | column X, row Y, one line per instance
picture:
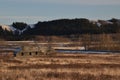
column 33, row 50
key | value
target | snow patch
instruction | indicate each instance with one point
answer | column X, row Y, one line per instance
column 12, row 28
column 99, row 24
column 24, row 29
column 32, row 25
column 5, row 27
column 109, row 22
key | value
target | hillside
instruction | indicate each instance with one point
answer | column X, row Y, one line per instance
column 62, row 27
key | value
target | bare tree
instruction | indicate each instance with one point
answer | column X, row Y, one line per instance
column 86, row 41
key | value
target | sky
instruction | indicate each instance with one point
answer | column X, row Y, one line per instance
column 32, row 11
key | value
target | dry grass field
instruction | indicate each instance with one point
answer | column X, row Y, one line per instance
column 61, row 67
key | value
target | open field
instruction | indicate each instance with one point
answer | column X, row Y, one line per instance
column 61, row 67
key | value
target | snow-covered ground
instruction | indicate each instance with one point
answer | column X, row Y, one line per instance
column 32, row 25
column 12, row 28
column 99, row 24
column 5, row 27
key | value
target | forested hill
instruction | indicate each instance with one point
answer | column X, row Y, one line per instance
column 62, row 27
column 75, row 26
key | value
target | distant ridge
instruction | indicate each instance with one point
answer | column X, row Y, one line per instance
column 63, row 27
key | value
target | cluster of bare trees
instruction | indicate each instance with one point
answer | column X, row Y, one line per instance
column 100, row 41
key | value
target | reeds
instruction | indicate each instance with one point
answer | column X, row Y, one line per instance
column 62, row 67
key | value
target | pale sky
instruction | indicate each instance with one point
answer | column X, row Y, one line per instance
column 32, row 11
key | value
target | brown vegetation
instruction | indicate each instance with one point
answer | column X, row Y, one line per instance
column 61, row 67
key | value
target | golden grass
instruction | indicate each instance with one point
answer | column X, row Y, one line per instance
column 61, row 67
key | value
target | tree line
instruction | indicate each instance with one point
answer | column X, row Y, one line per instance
column 74, row 26
column 64, row 27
